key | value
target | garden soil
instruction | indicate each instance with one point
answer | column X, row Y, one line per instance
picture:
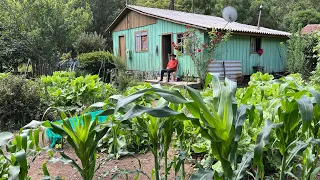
column 65, row 171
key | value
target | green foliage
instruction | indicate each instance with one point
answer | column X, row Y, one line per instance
column 315, row 78
column 64, row 89
column 88, row 42
column 300, row 54
column 21, row 150
column 103, row 14
column 39, row 30
column 20, row 101
column 269, row 129
column 96, row 62
column 201, row 53
column 123, row 79
column 289, row 103
column 84, row 140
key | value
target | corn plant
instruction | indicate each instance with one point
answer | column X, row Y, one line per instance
column 218, row 119
column 158, row 122
column 221, row 122
column 84, row 139
column 295, row 113
column 20, row 148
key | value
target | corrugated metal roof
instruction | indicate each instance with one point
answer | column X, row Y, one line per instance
column 203, row 21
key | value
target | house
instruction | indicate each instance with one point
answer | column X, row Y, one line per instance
column 310, row 28
column 143, row 36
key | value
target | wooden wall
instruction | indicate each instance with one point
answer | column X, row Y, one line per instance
column 150, row 60
column 134, row 20
column 238, row 48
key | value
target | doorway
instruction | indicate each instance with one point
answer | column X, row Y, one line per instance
column 166, row 49
column 122, row 47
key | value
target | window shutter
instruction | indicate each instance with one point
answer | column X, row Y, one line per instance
column 138, row 42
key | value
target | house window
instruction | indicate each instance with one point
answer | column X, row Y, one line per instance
column 255, row 44
column 141, row 40
column 180, row 40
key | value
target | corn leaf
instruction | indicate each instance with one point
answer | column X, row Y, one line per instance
column 4, row 137
column 160, row 111
column 315, row 173
column 45, row 169
column 202, row 174
column 213, row 120
column 242, row 167
column 306, row 110
column 14, row 172
column 261, row 141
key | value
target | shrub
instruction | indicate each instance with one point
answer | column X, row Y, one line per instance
column 64, row 89
column 20, row 102
column 315, row 78
column 300, row 55
column 97, row 62
column 123, row 79
column 88, row 42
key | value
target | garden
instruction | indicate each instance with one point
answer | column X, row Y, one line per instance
column 267, row 130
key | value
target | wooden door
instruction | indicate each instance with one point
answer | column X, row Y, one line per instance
column 122, row 47
column 166, row 49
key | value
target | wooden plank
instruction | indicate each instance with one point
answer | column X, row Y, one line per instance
column 134, row 20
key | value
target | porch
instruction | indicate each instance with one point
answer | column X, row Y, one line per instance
column 195, row 85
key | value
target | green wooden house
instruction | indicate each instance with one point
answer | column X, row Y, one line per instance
column 143, row 36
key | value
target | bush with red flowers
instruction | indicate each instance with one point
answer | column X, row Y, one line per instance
column 194, row 46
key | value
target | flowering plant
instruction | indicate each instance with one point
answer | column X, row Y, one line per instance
column 260, row 52
column 193, row 45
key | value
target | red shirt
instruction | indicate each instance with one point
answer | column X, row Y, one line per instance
column 172, row 64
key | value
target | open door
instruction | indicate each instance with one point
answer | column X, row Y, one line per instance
column 122, row 47
column 166, row 49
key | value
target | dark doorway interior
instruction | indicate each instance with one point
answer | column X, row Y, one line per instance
column 166, row 49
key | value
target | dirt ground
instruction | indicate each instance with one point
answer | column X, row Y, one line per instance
column 65, row 171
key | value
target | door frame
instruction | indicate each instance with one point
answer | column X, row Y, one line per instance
column 125, row 46
column 162, row 47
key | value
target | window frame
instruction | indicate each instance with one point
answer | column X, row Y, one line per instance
column 135, row 41
column 182, row 40
column 255, row 44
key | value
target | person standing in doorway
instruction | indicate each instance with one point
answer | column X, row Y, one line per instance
column 171, row 67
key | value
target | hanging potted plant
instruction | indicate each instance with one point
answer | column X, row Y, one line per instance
column 260, row 52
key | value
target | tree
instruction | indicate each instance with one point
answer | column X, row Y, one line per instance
column 103, row 13
column 47, row 27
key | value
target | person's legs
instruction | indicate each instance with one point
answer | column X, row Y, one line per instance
column 162, row 73
column 169, row 72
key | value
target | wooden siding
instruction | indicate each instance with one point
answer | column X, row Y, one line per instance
column 134, row 20
column 150, row 61
column 238, row 48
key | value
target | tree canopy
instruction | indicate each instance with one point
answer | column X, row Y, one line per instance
column 40, row 29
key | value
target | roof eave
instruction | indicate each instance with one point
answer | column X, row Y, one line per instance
column 253, row 33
